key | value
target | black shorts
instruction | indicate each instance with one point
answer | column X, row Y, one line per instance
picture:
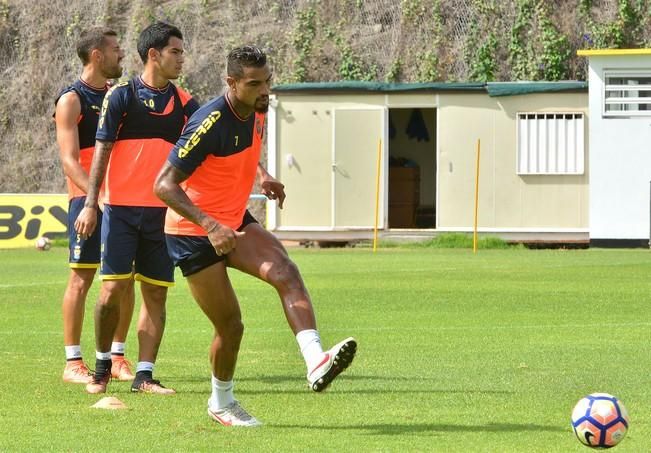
column 195, row 253
column 84, row 253
column 135, row 234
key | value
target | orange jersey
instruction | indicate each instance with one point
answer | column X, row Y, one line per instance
column 90, row 100
column 144, row 123
column 220, row 151
column 85, row 159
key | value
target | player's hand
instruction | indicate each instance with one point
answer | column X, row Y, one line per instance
column 223, row 238
column 273, row 190
column 86, row 222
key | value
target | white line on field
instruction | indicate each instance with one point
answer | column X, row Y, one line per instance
column 445, row 328
column 395, row 329
column 20, row 285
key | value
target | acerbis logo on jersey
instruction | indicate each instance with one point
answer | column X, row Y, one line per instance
column 105, row 103
column 202, row 129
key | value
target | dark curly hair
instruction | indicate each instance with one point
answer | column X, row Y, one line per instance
column 245, row 56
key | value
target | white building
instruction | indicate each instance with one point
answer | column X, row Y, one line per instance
column 620, row 145
column 404, row 155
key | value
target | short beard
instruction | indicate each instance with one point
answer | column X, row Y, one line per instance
column 113, row 74
column 263, row 109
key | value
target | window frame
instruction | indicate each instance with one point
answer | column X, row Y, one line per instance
column 625, row 73
column 580, row 148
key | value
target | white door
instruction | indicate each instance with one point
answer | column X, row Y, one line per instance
column 358, row 134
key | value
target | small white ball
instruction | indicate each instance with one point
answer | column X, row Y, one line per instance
column 42, row 243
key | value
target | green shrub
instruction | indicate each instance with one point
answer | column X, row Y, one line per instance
column 463, row 241
column 453, row 241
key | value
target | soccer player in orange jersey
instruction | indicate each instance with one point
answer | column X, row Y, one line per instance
column 140, row 121
column 206, row 182
column 76, row 115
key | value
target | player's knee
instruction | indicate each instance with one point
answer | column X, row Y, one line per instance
column 285, row 274
column 112, row 291
column 80, row 283
column 232, row 332
column 153, row 294
column 236, row 329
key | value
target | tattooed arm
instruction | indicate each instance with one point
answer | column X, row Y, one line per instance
column 167, row 188
column 87, row 220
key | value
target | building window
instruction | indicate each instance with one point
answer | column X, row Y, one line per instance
column 627, row 93
column 550, row 143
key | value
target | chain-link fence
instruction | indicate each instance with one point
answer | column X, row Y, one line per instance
column 307, row 40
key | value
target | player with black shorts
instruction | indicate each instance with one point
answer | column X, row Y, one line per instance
column 206, row 182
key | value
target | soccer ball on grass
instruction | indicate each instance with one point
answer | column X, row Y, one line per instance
column 43, row 244
column 600, row 420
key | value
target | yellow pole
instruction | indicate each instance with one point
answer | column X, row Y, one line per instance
column 377, row 193
column 474, row 236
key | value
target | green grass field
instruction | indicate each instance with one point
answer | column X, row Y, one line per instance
column 457, row 352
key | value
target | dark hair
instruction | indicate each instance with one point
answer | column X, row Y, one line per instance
column 156, row 36
column 91, row 39
column 245, row 56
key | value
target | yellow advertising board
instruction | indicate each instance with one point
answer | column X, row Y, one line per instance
column 26, row 217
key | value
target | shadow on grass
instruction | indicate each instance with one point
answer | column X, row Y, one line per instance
column 304, row 390
column 428, row 428
column 391, row 387
column 299, row 385
column 298, row 377
column 279, row 379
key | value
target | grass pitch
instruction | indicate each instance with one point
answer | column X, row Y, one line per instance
column 457, row 352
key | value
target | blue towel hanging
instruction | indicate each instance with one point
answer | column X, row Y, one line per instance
column 416, row 127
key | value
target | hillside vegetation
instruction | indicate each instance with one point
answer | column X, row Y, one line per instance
column 384, row 40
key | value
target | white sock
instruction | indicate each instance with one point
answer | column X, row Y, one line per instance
column 73, row 352
column 145, row 366
column 222, row 394
column 117, row 348
column 102, row 355
column 310, row 344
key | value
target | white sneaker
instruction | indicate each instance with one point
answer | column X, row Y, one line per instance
column 335, row 360
column 233, row 415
